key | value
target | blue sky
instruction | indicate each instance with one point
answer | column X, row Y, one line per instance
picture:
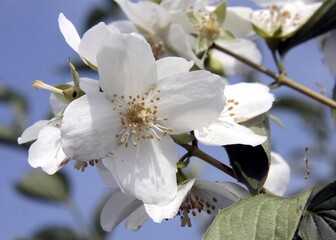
column 32, row 47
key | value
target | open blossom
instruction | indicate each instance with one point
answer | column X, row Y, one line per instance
column 46, row 152
column 243, row 102
column 156, row 24
column 283, row 18
column 128, row 124
column 193, row 197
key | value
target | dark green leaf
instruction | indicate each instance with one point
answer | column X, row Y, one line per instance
column 251, row 164
column 319, row 219
column 321, row 22
column 56, row 233
column 41, row 186
column 259, row 217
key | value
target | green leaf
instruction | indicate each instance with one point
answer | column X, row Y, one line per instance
column 41, row 186
column 319, row 219
column 56, row 233
column 321, row 22
column 220, row 13
column 251, row 164
column 259, row 217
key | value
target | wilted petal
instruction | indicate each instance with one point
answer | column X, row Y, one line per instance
column 89, row 127
column 93, row 39
column 159, row 213
column 32, row 132
column 226, row 133
column 47, row 151
column 190, row 100
column 170, row 66
column 117, row 209
column 126, row 66
column 278, row 175
column 137, row 219
column 249, row 100
column 147, row 171
column 69, row 32
column 149, row 16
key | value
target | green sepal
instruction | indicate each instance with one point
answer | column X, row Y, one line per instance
column 73, row 93
column 226, row 35
column 182, row 138
column 202, row 44
column 220, row 13
column 213, row 65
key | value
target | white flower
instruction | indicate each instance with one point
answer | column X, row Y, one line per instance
column 156, row 25
column 278, row 175
column 194, row 197
column 128, row 124
column 328, row 49
column 46, row 152
column 283, row 19
column 243, row 102
column 88, row 46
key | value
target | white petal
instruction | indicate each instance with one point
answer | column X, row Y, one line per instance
column 227, row 190
column 327, row 45
column 69, row 32
column 253, row 99
column 32, row 132
column 47, row 152
column 159, row 213
column 88, row 85
column 149, row 16
column 116, row 209
column 147, row 171
column 126, row 66
column 106, row 175
column 278, row 175
column 124, row 26
column 89, row 127
column 238, row 22
column 190, row 100
column 226, row 133
column 169, row 66
column 177, row 41
column 242, row 47
column 136, row 219
column 93, row 39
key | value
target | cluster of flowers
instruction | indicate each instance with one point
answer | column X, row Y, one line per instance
column 145, row 94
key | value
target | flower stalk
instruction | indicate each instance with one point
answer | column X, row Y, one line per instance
column 281, row 79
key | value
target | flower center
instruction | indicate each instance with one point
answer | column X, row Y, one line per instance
column 210, row 28
column 195, row 204
column 157, row 45
column 139, row 117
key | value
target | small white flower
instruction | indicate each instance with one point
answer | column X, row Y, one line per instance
column 278, row 175
column 243, row 102
column 282, row 19
column 194, row 197
column 46, row 152
column 156, row 24
column 128, row 124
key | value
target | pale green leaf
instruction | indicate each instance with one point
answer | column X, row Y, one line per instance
column 260, row 217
